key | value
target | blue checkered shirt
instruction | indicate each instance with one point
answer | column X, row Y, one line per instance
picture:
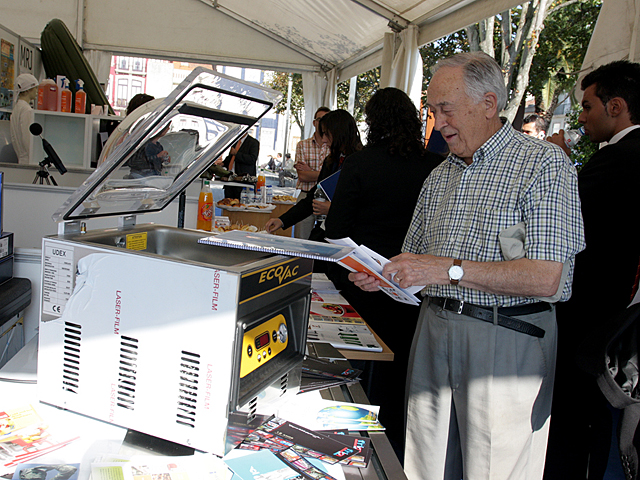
column 513, row 178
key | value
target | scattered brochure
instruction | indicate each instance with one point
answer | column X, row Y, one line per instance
column 47, row 471
column 363, row 259
column 262, row 465
column 298, row 446
column 333, row 309
column 342, row 333
column 326, row 297
column 316, row 413
column 321, row 284
column 150, row 467
column 24, row 436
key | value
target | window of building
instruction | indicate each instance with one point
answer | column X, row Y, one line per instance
column 122, row 92
column 136, row 87
column 138, row 65
column 123, row 63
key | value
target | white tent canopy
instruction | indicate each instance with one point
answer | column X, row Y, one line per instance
column 285, row 35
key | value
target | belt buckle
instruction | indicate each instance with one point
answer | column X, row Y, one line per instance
column 454, row 310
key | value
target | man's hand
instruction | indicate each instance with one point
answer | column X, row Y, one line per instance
column 219, row 161
column 273, row 224
column 408, row 269
column 364, row 281
column 558, row 139
column 320, row 207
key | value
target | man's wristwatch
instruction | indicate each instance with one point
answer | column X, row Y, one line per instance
column 456, row 272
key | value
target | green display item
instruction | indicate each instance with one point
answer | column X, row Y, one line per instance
column 61, row 55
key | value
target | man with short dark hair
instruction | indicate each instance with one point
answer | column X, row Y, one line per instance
column 310, row 154
column 493, row 237
column 605, row 271
column 533, row 125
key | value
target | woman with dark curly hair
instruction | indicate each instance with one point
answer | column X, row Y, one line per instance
column 373, row 204
column 339, row 130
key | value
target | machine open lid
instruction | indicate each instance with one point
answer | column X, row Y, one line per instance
column 203, row 117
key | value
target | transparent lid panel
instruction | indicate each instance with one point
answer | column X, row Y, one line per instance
column 163, row 151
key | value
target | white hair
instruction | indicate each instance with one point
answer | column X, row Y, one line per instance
column 482, row 75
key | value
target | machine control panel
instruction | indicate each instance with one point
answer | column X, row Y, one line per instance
column 262, row 343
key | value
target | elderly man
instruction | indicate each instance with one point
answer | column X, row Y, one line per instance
column 533, row 125
column 493, row 237
column 310, row 154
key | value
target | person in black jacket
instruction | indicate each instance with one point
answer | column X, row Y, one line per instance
column 373, row 205
column 338, row 129
column 242, row 160
column 605, row 272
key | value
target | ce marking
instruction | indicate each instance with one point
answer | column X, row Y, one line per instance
column 56, row 309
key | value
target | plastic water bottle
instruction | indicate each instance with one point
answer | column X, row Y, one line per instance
column 244, row 196
column 321, row 197
column 269, row 193
column 572, row 137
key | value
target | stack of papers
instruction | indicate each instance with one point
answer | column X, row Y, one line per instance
column 298, row 446
column 318, row 374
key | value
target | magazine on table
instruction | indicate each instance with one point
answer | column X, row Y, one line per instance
column 24, row 436
column 363, row 259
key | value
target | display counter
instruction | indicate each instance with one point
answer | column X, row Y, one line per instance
column 18, row 381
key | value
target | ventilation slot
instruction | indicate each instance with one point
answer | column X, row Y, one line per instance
column 284, row 384
column 253, row 408
column 127, row 373
column 188, row 389
column 71, row 359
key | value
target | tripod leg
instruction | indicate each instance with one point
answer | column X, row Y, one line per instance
column 53, row 180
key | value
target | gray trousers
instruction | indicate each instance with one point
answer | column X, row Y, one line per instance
column 303, row 228
column 479, row 398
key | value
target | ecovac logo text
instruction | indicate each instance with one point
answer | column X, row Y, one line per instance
column 281, row 273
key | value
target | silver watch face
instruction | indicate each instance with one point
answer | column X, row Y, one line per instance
column 456, row 272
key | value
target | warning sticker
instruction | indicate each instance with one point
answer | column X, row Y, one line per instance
column 137, row 241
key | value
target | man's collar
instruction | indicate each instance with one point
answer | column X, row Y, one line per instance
column 618, row 136
column 492, row 146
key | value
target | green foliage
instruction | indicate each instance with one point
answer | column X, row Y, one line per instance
column 561, row 49
column 280, row 82
column 366, row 86
column 442, row 48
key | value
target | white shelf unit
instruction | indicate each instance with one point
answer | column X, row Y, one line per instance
column 73, row 136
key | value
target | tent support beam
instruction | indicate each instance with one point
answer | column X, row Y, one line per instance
column 396, row 22
column 207, row 59
column 324, row 64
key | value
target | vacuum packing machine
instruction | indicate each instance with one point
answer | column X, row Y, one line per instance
column 142, row 326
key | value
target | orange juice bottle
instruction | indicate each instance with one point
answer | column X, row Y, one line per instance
column 205, row 208
column 261, row 188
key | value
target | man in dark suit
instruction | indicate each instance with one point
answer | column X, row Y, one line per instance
column 605, row 271
column 242, row 160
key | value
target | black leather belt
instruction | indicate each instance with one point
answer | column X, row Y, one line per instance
column 505, row 314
